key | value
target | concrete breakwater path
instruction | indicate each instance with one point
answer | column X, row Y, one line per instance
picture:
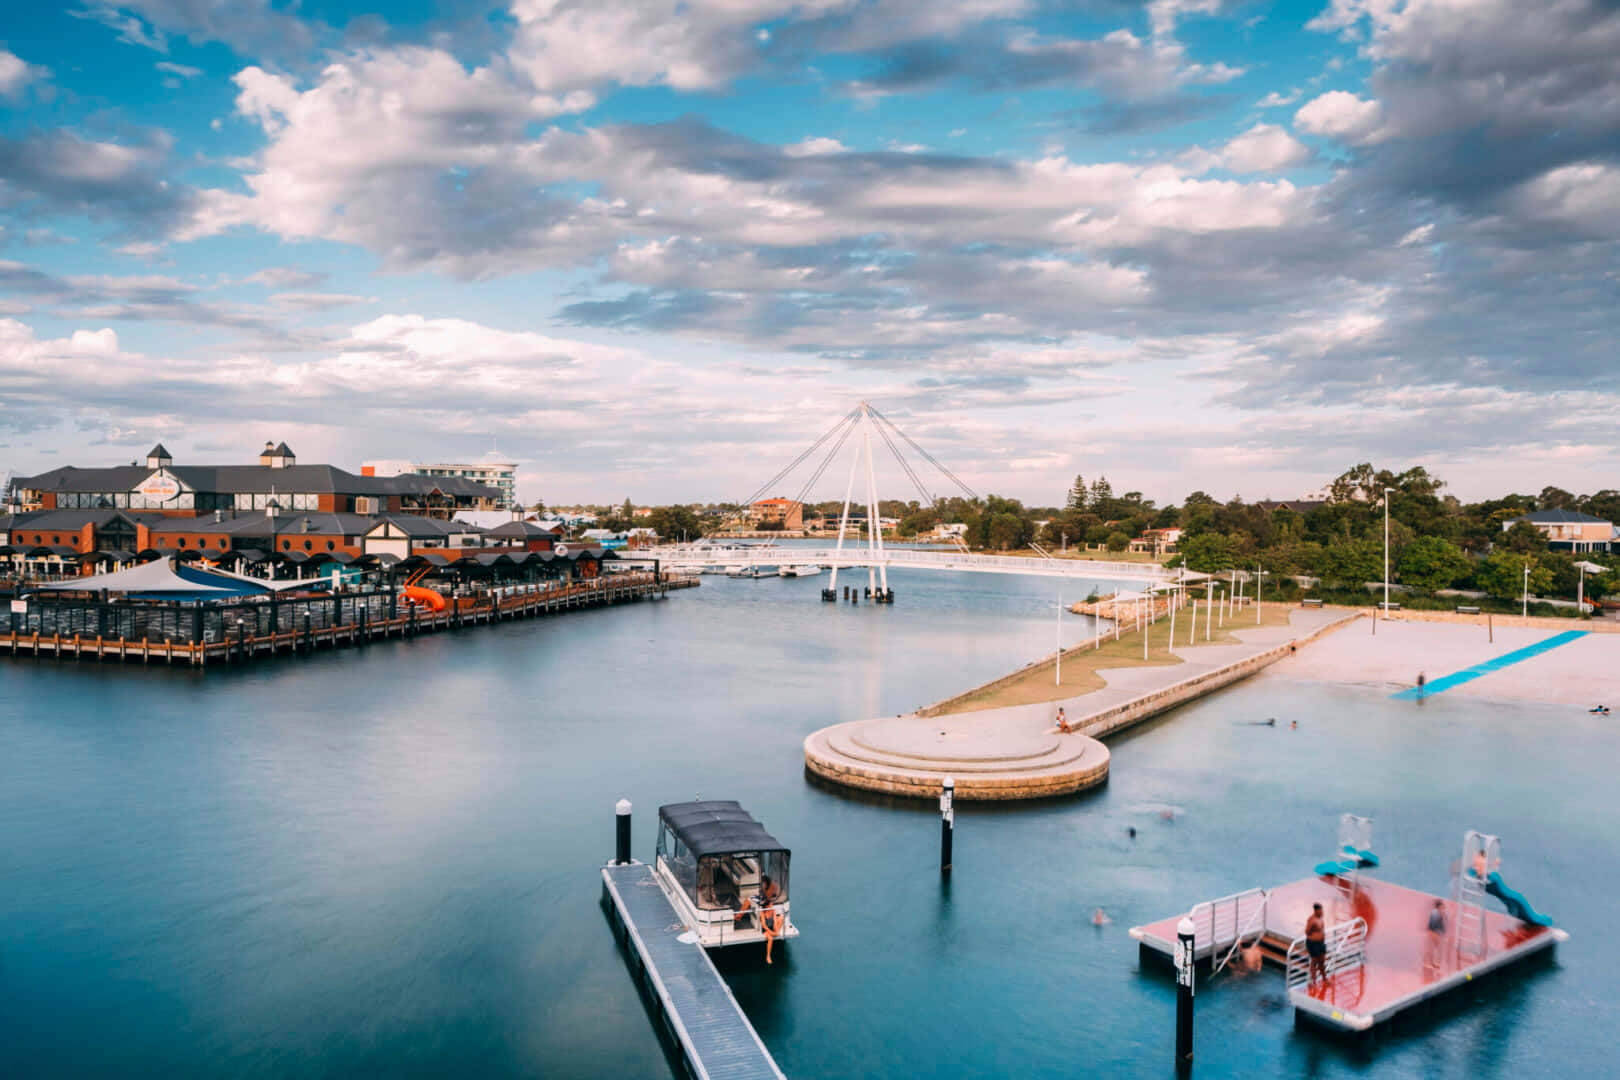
column 1015, row 752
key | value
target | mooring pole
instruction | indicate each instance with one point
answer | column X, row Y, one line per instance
column 621, row 825
column 947, row 824
column 1184, row 993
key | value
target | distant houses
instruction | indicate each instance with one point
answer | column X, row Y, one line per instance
column 1567, row 530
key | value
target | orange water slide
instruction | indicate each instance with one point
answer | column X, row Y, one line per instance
column 429, row 599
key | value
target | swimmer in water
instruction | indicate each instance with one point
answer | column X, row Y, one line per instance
column 1130, row 831
column 1293, row 725
column 1272, row 722
column 1601, row 710
column 1100, row 918
column 1167, row 814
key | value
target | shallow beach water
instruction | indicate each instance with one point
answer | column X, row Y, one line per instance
column 384, row 861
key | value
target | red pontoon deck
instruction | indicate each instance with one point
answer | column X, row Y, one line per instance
column 1384, row 970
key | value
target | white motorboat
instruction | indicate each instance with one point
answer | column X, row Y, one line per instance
column 801, row 570
column 722, row 872
column 737, row 570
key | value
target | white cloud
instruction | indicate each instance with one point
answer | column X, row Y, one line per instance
column 16, row 73
column 185, row 71
column 1583, row 198
column 813, row 146
column 1264, row 148
column 1341, row 115
column 1423, row 234
column 1276, row 100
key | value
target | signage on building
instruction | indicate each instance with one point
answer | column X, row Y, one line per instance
column 160, row 486
column 19, row 607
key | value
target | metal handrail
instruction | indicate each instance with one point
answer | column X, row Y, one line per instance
column 1346, row 952
column 1257, row 921
column 1210, row 926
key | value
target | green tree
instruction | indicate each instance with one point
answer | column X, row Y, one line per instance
column 1523, row 538
column 1502, row 575
column 539, row 507
column 1208, row 553
column 675, row 522
column 1118, row 542
column 1078, row 496
column 1431, row 563
column 1007, row 531
column 1353, row 562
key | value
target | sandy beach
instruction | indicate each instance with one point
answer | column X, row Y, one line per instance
column 1585, row 671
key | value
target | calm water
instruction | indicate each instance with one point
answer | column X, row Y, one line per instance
column 384, row 862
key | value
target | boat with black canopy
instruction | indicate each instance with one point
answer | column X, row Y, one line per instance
column 724, row 874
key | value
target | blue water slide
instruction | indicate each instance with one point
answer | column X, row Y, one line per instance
column 1514, row 901
column 1366, row 858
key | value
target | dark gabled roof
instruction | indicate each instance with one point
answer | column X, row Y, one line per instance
column 523, row 529
column 255, row 479
column 717, row 827
column 78, row 519
column 281, row 450
column 1561, row 517
column 159, row 452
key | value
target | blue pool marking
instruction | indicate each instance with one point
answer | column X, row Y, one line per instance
column 1469, row 674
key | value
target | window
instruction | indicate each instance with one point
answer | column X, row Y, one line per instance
column 286, row 545
column 330, row 546
column 309, row 545
column 56, row 539
column 180, row 542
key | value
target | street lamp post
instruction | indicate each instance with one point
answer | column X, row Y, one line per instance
column 1525, row 611
column 1387, row 493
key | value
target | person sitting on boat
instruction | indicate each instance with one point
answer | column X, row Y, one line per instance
column 769, row 891
column 770, row 924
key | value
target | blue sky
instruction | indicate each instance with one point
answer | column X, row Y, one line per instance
column 650, row 249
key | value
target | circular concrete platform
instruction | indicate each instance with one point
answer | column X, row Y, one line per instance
column 988, row 758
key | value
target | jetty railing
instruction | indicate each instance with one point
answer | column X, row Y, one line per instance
column 1224, row 923
column 170, row 632
column 1346, row 954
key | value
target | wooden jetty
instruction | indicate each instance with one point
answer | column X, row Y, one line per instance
column 1377, row 944
column 518, row 602
column 688, row 997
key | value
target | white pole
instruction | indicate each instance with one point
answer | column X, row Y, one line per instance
column 1259, row 592
column 1192, row 631
column 1526, row 611
column 1170, row 646
column 1386, row 548
column 1209, row 610
column 874, row 525
column 1580, row 592
column 843, row 519
column 1057, row 678
column 1144, row 641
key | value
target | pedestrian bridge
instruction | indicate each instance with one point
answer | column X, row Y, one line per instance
column 697, row 557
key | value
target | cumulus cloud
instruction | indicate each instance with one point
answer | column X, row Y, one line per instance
column 16, row 74
column 1262, row 148
column 1339, row 114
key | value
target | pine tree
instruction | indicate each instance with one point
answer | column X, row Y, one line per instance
column 1077, row 493
column 1101, row 491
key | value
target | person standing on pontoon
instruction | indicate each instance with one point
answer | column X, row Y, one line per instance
column 1316, row 946
column 1437, row 936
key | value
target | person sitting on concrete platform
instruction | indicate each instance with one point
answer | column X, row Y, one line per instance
column 1063, row 722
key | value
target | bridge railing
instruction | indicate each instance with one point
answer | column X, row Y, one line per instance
column 944, row 560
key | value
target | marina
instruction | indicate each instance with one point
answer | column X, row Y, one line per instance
column 445, row 893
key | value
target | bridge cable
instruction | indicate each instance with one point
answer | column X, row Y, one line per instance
column 952, row 477
column 905, row 465
column 796, row 462
column 815, row 477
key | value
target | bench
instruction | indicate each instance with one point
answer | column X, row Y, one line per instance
column 1310, row 603
column 1465, row 610
column 1391, row 606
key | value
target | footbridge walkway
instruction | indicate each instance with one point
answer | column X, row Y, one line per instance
column 698, row 556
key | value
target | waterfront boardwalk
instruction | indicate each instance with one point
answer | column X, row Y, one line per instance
column 686, row 992
column 1387, row 976
column 495, row 606
column 1014, row 752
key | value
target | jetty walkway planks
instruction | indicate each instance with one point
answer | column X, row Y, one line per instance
column 715, row 1039
column 615, row 589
